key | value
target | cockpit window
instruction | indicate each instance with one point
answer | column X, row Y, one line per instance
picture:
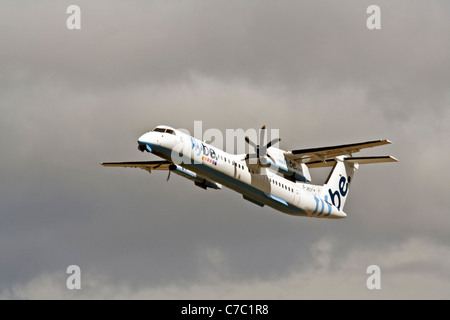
column 169, row 131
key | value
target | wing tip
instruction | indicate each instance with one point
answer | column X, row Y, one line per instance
column 394, row 159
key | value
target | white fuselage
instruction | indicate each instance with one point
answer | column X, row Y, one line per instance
column 262, row 186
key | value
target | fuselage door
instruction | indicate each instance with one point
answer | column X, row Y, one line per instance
column 296, row 197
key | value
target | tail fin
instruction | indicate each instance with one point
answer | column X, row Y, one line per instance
column 337, row 186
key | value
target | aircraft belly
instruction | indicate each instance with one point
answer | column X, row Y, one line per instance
column 245, row 189
column 229, row 176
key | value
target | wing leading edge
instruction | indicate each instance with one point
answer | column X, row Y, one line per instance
column 144, row 165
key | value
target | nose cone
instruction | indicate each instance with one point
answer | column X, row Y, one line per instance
column 149, row 137
column 141, row 146
column 144, row 141
column 143, row 138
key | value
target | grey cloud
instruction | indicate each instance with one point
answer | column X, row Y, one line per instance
column 72, row 99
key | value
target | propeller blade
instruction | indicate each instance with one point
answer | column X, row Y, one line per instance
column 262, row 134
column 261, row 151
column 250, row 142
column 272, row 142
column 168, row 176
column 270, row 157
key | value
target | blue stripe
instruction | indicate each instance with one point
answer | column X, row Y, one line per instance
column 193, row 175
column 323, row 207
column 276, row 198
column 317, row 204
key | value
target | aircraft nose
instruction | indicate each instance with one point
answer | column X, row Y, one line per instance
column 141, row 146
column 142, row 139
column 143, row 143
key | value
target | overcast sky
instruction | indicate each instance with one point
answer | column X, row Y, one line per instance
column 312, row 69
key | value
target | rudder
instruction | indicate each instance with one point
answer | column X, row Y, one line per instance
column 336, row 188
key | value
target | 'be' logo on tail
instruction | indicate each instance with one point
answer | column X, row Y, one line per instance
column 343, row 189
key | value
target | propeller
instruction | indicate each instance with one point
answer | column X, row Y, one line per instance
column 171, row 167
column 261, row 151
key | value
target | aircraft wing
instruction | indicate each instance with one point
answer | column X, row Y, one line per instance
column 324, row 153
column 144, row 165
column 166, row 165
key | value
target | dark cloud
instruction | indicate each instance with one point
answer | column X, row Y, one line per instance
column 71, row 99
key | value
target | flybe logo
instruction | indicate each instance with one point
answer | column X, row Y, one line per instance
column 343, row 189
column 208, row 154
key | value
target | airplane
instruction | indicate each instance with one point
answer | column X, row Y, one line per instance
column 271, row 176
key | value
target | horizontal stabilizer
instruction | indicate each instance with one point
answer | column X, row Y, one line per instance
column 375, row 159
column 359, row 160
column 323, row 153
